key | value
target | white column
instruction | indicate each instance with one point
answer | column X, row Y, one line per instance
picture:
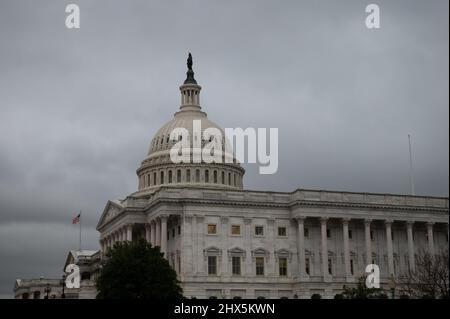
column 409, row 233
column 430, row 238
column 388, row 225
column 158, row 232
column 301, row 245
column 323, row 229
column 164, row 235
column 153, row 232
column 367, row 223
column 129, row 232
column 147, row 233
column 345, row 222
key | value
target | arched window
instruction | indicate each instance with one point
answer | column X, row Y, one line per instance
column 215, row 177
column 170, row 177
column 206, row 176
column 154, row 178
column 179, row 176
column 188, row 175
column 197, row 176
column 229, row 179
column 161, row 180
column 223, row 177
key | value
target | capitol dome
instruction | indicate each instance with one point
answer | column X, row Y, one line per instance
column 157, row 169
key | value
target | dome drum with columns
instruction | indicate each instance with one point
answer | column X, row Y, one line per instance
column 157, row 169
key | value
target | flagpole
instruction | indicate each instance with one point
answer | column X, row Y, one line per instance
column 411, row 174
column 79, row 243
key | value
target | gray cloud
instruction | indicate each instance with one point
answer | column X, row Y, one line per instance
column 79, row 108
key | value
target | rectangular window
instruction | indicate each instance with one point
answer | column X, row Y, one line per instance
column 212, row 229
column 350, row 234
column 173, row 232
column 307, row 265
column 259, row 262
column 215, row 177
column 179, row 230
column 351, row 266
column 371, row 235
column 212, row 265
column 306, row 232
column 236, row 265
column 154, row 178
column 282, row 231
column 328, row 233
column 282, row 266
column 330, row 266
column 206, row 176
column 178, row 176
column 235, row 229
column 259, row 231
column 170, row 177
column 223, row 178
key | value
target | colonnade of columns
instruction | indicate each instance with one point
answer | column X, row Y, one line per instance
column 368, row 245
column 155, row 233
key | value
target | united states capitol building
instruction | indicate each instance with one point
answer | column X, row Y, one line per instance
column 227, row 242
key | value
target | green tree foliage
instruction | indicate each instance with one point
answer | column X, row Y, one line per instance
column 362, row 292
column 137, row 270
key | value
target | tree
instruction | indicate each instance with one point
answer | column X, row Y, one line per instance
column 137, row 270
column 430, row 279
column 361, row 291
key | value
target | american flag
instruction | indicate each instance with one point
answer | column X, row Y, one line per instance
column 76, row 219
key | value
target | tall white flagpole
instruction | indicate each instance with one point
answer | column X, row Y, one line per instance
column 411, row 175
column 79, row 243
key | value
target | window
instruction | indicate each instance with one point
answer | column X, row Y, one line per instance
column 223, row 178
column 188, row 175
column 330, row 266
column 154, row 178
column 350, row 234
column 148, row 179
column 282, row 231
column 179, row 176
column 179, row 230
column 235, row 229
column 371, row 235
column 173, row 232
column 206, row 176
column 307, row 265
column 170, row 177
column 234, row 179
column 212, row 229
column 351, row 266
column 215, row 177
column 328, row 233
column 392, row 235
column 236, row 265
column 212, row 265
column 282, row 266
column 197, row 176
column 259, row 231
column 229, row 179
column 161, row 181
column 306, row 232
column 259, row 262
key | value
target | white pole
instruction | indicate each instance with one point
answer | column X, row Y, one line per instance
column 411, row 175
column 79, row 243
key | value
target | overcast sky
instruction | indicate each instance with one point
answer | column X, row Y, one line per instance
column 78, row 108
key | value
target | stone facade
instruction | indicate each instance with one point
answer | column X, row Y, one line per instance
column 322, row 239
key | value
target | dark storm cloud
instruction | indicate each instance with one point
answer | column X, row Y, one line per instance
column 79, row 108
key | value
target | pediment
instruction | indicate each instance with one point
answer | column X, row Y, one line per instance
column 112, row 209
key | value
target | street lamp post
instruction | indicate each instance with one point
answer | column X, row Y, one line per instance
column 47, row 290
column 63, row 284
